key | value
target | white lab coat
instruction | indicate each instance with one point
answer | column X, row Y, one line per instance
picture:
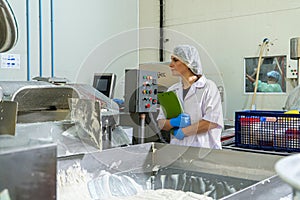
column 202, row 101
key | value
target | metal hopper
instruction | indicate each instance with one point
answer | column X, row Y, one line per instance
column 220, row 174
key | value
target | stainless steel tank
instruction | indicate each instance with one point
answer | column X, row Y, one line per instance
column 220, row 174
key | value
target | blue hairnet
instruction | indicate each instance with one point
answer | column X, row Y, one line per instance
column 274, row 74
column 189, row 56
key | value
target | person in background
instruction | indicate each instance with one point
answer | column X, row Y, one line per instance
column 201, row 123
column 271, row 86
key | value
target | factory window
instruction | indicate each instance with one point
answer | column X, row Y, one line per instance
column 271, row 74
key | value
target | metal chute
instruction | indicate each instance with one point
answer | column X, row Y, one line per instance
column 8, row 27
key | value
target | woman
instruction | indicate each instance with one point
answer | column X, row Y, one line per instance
column 202, row 122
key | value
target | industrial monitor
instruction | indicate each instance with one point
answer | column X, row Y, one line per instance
column 105, row 83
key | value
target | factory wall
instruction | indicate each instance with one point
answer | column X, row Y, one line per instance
column 225, row 32
column 73, row 39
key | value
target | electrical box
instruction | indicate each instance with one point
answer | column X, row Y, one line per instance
column 140, row 91
column 291, row 72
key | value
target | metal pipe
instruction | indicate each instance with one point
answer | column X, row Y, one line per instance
column 298, row 68
column 52, row 39
column 156, row 129
column 295, row 53
column 28, row 38
column 41, row 38
column 142, row 128
column 161, row 30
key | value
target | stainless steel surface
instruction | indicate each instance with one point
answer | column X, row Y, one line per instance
column 140, row 91
column 54, row 80
column 69, row 115
column 142, row 128
column 70, row 137
column 298, row 70
column 109, row 108
column 272, row 188
column 151, row 129
column 43, row 116
column 9, row 88
column 28, row 168
column 295, row 53
column 86, row 114
column 180, row 167
column 35, row 98
column 235, row 148
column 8, row 27
column 8, row 117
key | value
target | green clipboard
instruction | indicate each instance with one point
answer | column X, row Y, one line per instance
column 170, row 104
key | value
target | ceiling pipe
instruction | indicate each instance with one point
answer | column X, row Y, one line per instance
column 28, row 38
column 161, row 30
column 52, row 38
column 41, row 36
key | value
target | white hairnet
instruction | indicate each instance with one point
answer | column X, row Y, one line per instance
column 189, row 56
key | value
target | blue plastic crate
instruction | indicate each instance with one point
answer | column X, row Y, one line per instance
column 267, row 130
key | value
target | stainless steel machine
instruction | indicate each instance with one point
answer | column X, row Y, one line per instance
column 73, row 116
column 221, row 174
column 51, row 122
column 141, row 88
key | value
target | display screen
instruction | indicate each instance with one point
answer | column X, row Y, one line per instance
column 105, row 84
column 102, row 85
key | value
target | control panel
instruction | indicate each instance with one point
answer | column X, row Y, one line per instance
column 140, row 91
column 291, row 72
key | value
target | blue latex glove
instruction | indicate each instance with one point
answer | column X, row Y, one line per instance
column 179, row 134
column 119, row 101
column 181, row 121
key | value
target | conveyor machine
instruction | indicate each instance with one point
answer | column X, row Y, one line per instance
column 77, row 117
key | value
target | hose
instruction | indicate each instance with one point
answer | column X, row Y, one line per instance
column 262, row 49
column 156, row 129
